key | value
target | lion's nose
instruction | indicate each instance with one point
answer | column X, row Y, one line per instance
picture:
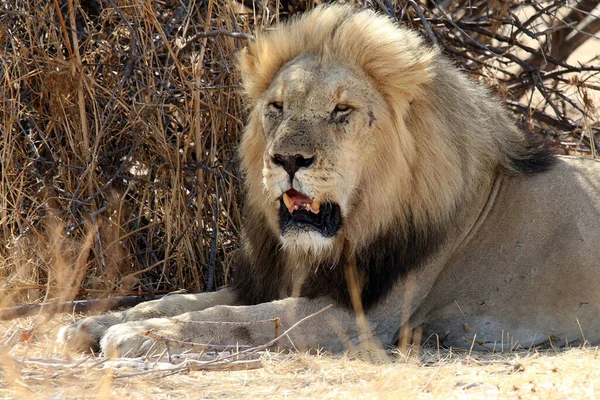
column 291, row 164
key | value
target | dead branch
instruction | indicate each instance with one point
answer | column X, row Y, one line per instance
column 277, row 338
column 425, row 23
column 191, row 345
column 105, row 304
column 497, row 45
column 211, row 34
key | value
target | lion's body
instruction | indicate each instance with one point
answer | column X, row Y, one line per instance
column 528, row 272
column 379, row 177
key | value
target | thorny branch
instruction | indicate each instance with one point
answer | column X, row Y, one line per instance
column 104, row 304
column 523, row 50
column 245, row 351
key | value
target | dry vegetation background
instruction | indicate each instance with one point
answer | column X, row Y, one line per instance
column 118, row 127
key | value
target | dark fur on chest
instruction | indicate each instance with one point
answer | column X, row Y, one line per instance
column 379, row 264
column 259, row 273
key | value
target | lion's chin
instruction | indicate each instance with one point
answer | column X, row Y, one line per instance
column 307, row 241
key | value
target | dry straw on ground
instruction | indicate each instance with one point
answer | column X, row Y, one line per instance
column 118, row 127
column 35, row 370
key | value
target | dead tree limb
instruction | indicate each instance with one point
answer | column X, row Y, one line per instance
column 212, row 34
column 105, row 304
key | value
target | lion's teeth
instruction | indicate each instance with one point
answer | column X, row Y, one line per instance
column 289, row 203
column 292, row 205
column 315, row 206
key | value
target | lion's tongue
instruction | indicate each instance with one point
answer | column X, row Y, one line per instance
column 295, row 200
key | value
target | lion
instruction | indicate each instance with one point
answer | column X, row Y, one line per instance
column 383, row 183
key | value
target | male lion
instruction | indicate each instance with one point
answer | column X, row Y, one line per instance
column 380, row 178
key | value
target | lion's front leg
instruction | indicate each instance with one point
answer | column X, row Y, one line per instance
column 86, row 333
column 330, row 330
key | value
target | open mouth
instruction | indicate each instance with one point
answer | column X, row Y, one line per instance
column 298, row 211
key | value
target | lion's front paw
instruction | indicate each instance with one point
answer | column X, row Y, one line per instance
column 129, row 339
column 85, row 334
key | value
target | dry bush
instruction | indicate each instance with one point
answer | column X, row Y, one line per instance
column 542, row 57
column 118, row 155
column 119, row 121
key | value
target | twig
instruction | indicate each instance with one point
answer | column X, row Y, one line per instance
column 514, row 42
column 76, row 70
column 388, row 7
column 191, row 345
column 539, row 115
column 425, row 23
column 236, row 365
column 105, row 304
column 546, row 10
column 274, row 341
column 63, row 27
column 193, row 365
column 99, row 241
column 53, row 363
column 542, row 89
column 180, row 12
column 241, row 323
column 211, row 34
column 210, row 281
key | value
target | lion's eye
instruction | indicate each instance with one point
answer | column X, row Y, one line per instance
column 342, row 108
column 340, row 113
column 278, row 105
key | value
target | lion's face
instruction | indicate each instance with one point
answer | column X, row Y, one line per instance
column 317, row 117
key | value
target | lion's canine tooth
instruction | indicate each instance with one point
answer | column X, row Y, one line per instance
column 315, row 206
column 289, row 203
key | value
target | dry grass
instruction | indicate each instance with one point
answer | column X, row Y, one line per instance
column 118, row 160
column 34, row 369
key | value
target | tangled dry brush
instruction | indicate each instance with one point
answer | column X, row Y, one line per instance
column 119, row 121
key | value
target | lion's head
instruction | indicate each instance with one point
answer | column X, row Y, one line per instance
column 359, row 130
column 317, row 119
column 321, row 122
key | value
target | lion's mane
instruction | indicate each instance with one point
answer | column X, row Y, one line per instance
column 444, row 139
